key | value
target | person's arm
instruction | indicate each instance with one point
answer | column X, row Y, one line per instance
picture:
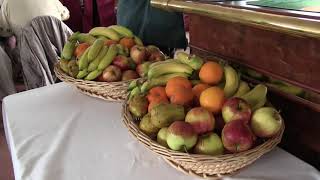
column 5, row 30
column 63, row 11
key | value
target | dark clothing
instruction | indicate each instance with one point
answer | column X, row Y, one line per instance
column 152, row 25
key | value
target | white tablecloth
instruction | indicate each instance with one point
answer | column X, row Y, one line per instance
column 57, row 133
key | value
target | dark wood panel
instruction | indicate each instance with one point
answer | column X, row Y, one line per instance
column 290, row 58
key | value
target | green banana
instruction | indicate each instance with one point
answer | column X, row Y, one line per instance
column 92, row 75
column 231, row 81
column 123, row 50
column 102, row 38
column 123, row 31
column 68, row 50
column 168, row 68
column 133, row 84
column 107, row 59
column 193, row 61
column 104, row 31
column 242, row 89
column 73, row 68
column 82, row 37
column 135, row 91
column 94, row 64
column 95, row 49
column 83, row 61
column 288, row 88
column 138, row 41
column 160, row 81
column 82, row 74
column 256, row 97
column 254, row 74
column 64, row 65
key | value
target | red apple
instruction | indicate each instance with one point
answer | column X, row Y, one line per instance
column 129, row 74
column 181, row 136
column 237, row 136
column 156, row 56
column 201, row 120
column 110, row 74
column 121, row 62
column 138, row 54
column 236, row 109
column 142, row 69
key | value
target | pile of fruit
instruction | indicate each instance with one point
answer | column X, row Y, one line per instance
column 201, row 107
column 107, row 54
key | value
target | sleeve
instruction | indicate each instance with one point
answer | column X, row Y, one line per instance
column 63, row 11
column 5, row 30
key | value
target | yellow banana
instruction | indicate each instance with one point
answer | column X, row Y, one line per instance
column 231, row 81
column 160, row 81
column 256, row 97
column 95, row 63
column 169, row 68
column 163, row 62
column 104, row 31
column 123, row 31
column 242, row 89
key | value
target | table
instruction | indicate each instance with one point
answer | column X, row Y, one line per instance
column 57, row 133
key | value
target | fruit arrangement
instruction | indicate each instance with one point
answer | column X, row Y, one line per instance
column 189, row 105
column 107, row 54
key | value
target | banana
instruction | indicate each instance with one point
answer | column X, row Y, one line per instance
column 104, row 31
column 95, row 63
column 83, row 61
column 160, row 81
column 92, row 75
column 133, row 84
column 256, row 97
column 102, row 37
column 168, row 68
column 193, row 61
column 231, row 81
column 135, row 91
column 123, row 31
column 68, row 50
column 82, row 37
column 138, row 41
column 95, row 49
column 73, row 68
column 288, row 88
column 163, row 62
column 107, row 59
column 242, row 89
column 82, row 74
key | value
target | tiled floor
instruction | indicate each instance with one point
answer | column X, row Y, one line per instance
column 6, row 171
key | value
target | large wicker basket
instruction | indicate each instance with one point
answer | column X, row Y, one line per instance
column 204, row 166
column 111, row 91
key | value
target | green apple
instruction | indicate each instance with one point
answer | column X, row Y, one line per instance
column 209, row 144
column 266, row 122
column 162, row 136
column 181, row 136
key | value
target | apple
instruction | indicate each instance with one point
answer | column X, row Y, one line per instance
column 110, row 42
column 266, row 122
column 181, row 136
column 121, row 62
column 142, row 69
column 129, row 74
column 236, row 108
column 209, row 144
column 110, row 74
column 127, row 42
column 138, row 54
column 156, row 56
column 162, row 136
column 201, row 120
column 237, row 136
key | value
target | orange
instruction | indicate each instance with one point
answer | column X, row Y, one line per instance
column 175, row 83
column 197, row 89
column 182, row 96
column 157, row 93
column 127, row 42
column 212, row 99
column 211, row 73
column 80, row 49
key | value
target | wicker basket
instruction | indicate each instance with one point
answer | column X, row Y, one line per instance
column 204, row 166
column 111, row 91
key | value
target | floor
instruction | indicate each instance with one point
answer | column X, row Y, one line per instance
column 6, row 171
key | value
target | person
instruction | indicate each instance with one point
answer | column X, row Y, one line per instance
column 15, row 14
column 154, row 26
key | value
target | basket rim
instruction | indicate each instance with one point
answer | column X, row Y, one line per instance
column 126, row 120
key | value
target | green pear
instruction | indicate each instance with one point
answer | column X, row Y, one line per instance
column 210, row 144
column 162, row 136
